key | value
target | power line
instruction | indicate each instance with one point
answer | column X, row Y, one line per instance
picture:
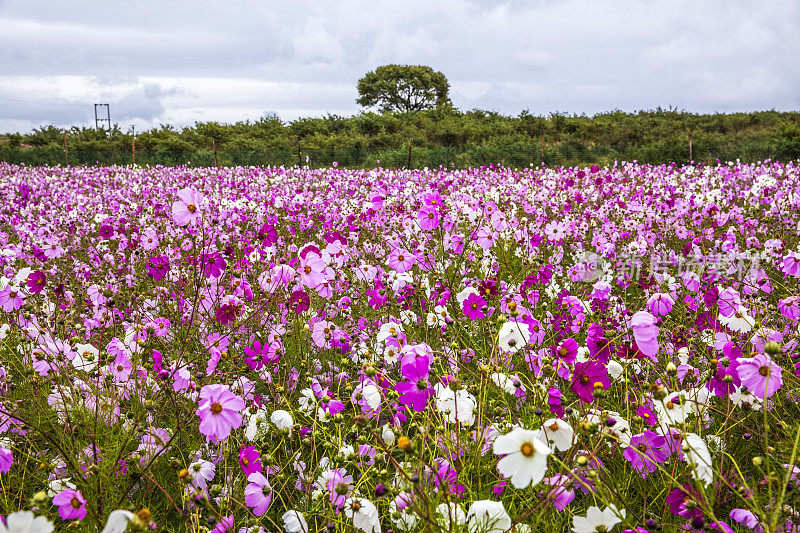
column 39, row 102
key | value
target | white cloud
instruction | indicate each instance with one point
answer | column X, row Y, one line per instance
column 230, row 61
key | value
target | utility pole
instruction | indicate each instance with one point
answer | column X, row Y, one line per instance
column 99, row 110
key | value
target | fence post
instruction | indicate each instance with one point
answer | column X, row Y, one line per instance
column 409, row 154
column 214, row 146
column 66, row 150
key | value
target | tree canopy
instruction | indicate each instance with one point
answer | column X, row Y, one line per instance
column 403, row 88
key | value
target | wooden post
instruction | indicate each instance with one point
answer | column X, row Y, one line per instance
column 133, row 149
column 690, row 146
column 214, row 146
column 66, row 151
column 409, row 154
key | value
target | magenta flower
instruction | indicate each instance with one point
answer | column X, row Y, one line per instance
column 212, row 264
column 584, row 378
column 728, row 301
column 6, row 460
column 187, row 209
column 71, row 505
column 416, row 390
column 268, row 234
column 258, row 355
column 158, row 267
column 36, row 281
column 567, row 351
column 645, row 450
column 600, row 348
column 473, row 307
column 249, row 460
column 258, row 493
column 725, row 378
column 761, row 375
column 219, row 412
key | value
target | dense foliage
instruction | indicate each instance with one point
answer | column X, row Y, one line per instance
column 486, row 350
column 439, row 136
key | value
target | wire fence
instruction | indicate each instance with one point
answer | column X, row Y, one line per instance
column 413, row 156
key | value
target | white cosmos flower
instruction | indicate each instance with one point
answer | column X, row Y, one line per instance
column 118, row 521
column 256, row 424
column 488, row 516
column 456, row 406
column 695, row 452
column 403, row 519
column 558, row 433
column 26, row 522
column 525, row 460
column 597, row 520
column 86, row 357
column 740, row 321
column 615, row 369
column 450, row 516
column 364, row 514
column 282, row 419
column 504, row 382
column 294, row 522
column 513, row 336
column 741, row 398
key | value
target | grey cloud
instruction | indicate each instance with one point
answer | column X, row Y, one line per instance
column 576, row 55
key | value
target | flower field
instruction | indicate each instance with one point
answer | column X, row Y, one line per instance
column 484, row 350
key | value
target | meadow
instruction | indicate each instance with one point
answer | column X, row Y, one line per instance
column 266, row 349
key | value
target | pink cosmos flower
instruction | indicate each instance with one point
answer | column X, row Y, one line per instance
column 660, row 304
column 645, row 333
column 11, row 298
column 473, row 307
column 187, row 209
column 219, row 412
column 311, row 271
column 401, row 260
column 258, row 493
column 428, row 218
column 761, row 375
column 791, row 265
column 71, row 505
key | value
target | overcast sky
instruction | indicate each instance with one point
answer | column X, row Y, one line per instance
column 178, row 62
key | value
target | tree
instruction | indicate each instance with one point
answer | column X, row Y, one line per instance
column 403, row 88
